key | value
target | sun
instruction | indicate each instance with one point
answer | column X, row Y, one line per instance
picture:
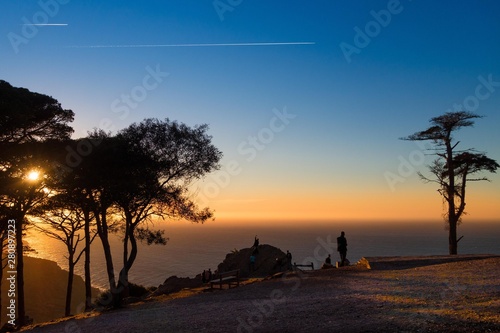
column 33, row 175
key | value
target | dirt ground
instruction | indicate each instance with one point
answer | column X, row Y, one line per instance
column 398, row 294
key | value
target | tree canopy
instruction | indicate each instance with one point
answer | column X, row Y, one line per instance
column 119, row 182
column 29, row 116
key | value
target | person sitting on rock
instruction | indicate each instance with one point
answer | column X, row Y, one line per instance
column 328, row 260
column 327, row 263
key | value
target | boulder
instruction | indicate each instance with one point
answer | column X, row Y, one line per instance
column 269, row 260
column 174, row 284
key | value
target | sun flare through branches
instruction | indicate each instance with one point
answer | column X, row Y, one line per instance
column 33, row 175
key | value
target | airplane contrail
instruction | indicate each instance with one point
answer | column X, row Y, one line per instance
column 191, row 45
column 47, row 24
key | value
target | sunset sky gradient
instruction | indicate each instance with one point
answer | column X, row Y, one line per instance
column 307, row 100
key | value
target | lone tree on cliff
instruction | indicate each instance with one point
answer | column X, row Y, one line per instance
column 453, row 168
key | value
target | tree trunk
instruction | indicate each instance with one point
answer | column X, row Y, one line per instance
column 20, row 273
column 102, row 229
column 123, row 283
column 133, row 249
column 453, row 243
column 109, row 263
column 450, row 197
column 69, row 287
column 115, row 292
column 128, row 258
column 88, row 281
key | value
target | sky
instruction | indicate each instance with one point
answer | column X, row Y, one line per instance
column 307, row 100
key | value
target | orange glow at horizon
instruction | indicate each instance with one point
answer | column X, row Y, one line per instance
column 354, row 206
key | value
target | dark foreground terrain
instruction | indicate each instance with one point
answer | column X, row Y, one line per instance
column 397, row 294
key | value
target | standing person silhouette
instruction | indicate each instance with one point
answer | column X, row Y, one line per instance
column 255, row 241
column 255, row 246
column 342, row 247
column 289, row 260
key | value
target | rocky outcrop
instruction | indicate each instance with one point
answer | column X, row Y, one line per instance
column 174, row 284
column 268, row 261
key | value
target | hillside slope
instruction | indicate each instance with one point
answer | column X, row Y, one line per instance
column 45, row 291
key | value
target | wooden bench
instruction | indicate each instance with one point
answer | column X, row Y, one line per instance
column 309, row 265
column 231, row 277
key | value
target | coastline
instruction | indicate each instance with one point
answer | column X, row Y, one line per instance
column 212, row 242
column 412, row 294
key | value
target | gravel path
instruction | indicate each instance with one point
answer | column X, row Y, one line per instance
column 399, row 294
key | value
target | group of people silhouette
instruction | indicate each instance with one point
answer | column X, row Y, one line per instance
column 206, row 276
column 341, row 248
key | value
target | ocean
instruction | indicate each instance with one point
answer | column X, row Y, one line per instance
column 194, row 247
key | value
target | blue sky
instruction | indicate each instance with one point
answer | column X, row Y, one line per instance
column 418, row 60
